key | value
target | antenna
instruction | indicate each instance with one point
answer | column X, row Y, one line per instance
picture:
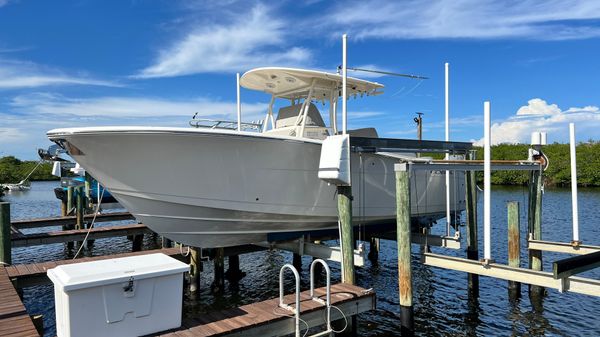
column 386, row 73
column 419, row 121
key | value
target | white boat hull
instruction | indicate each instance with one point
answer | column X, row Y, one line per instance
column 209, row 188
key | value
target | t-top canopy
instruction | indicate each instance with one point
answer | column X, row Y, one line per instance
column 295, row 83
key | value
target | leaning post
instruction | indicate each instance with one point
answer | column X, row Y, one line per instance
column 514, row 246
column 471, row 210
column 403, row 240
column 5, row 235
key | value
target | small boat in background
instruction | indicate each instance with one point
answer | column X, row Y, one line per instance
column 23, row 185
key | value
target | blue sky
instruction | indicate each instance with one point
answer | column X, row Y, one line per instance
column 86, row 63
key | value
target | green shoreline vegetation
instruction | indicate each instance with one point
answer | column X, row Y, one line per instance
column 12, row 170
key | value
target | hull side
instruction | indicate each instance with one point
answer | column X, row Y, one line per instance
column 210, row 189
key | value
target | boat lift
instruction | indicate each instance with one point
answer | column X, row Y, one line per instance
column 562, row 277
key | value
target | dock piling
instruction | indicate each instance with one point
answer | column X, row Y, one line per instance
column 404, row 256
column 137, row 242
column 514, row 247
column 5, row 234
column 234, row 273
column 374, row 249
column 344, row 198
column 218, row 284
column 297, row 262
column 535, row 228
column 471, row 211
column 195, row 269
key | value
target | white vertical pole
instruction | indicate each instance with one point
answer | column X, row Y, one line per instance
column 239, row 104
column 344, row 89
column 447, row 113
column 487, row 169
column 574, row 183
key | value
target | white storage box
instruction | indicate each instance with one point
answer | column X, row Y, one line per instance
column 128, row 296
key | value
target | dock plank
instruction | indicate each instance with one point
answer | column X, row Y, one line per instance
column 14, row 320
column 260, row 318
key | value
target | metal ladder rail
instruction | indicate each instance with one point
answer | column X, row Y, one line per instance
column 327, row 301
column 296, row 311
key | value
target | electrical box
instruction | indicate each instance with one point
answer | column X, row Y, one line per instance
column 334, row 165
column 128, row 296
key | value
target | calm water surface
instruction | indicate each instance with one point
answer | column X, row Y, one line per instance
column 442, row 304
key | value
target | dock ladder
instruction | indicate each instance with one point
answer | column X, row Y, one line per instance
column 296, row 311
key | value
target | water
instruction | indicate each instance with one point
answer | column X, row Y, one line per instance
column 442, row 304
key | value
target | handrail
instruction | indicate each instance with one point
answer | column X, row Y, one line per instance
column 223, row 124
column 286, row 306
column 328, row 289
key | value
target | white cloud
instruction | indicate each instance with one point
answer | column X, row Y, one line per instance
column 19, row 74
column 129, row 107
column 546, row 20
column 3, row 2
column 256, row 39
column 538, row 115
column 10, row 135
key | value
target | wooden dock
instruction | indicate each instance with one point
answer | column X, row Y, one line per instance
column 25, row 275
column 69, row 220
column 14, row 319
column 267, row 319
column 20, row 239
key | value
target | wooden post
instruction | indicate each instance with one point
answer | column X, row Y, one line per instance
column 344, row 199
column 70, row 193
column 403, row 240
column 234, row 273
column 5, row 235
column 166, row 243
column 80, row 206
column 137, row 242
column 63, row 208
column 535, row 227
column 219, row 265
column 297, row 262
column 195, row 269
column 374, row 249
column 514, row 246
column 472, row 246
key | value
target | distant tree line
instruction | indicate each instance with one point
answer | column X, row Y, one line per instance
column 559, row 170
column 13, row 170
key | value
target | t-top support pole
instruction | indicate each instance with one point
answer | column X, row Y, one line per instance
column 447, row 114
column 239, row 104
column 344, row 88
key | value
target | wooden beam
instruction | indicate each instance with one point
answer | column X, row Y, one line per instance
column 70, row 220
column 575, row 265
column 573, row 284
column 562, row 247
column 26, row 240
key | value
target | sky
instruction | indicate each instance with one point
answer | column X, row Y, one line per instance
column 157, row 62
